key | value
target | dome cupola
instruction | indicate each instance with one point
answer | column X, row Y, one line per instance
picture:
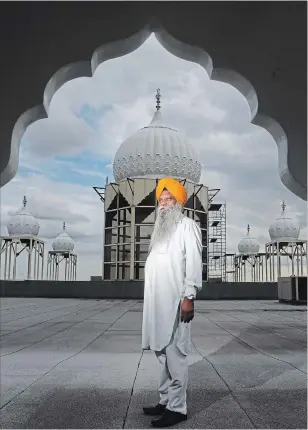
column 157, row 151
column 248, row 245
column 23, row 223
column 63, row 243
column 284, row 228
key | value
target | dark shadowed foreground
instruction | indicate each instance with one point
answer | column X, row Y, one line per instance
column 69, row 363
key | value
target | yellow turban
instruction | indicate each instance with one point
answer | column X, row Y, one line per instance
column 174, row 187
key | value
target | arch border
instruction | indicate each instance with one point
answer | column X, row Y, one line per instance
column 181, row 50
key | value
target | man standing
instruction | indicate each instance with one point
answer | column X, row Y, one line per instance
column 173, row 275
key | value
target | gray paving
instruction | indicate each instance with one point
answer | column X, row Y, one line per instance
column 69, row 363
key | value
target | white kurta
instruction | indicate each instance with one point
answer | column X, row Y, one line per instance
column 171, row 273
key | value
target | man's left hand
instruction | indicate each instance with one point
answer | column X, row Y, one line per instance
column 187, row 310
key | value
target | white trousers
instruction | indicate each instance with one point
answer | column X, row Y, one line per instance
column 174, row 376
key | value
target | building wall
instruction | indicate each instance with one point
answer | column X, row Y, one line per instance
column 132, row 290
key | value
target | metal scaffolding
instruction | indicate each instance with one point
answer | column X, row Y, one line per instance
column 251, row 268
column 56, row 260
column 217, row 245
column 243, row 268
column 230, row 267
column 12, row 247
column 130, row 213
column 294, row 253
column 267, row 266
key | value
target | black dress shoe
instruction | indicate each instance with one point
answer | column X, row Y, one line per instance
column 159, row 409
column 168, row 419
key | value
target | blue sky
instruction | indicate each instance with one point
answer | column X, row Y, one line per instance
column 83, row 169
column 93, row 116
column 64, row 156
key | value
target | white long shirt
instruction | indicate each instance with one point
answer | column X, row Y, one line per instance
column 171, row 272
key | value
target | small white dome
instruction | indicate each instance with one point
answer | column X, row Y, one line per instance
column 23, row 223
column 248, row 245
column 63, row 243
column 284, row 228
column 156, row 151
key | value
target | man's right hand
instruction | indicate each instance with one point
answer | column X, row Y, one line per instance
column 187, row 310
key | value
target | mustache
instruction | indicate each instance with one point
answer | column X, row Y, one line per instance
column 168, row 211
column 170, row 208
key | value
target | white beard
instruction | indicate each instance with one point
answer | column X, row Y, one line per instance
column 165, row 224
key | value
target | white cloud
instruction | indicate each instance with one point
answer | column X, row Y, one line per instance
column 55, row 136
column 237, row 157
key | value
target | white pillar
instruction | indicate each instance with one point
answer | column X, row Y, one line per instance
column 10, row 259
column 43, row 260
column 15, row 259
column 29, row 258
column 278, row 263
column 132, row 244
column 292, row 260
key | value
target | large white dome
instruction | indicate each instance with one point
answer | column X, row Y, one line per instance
column 248, row 245
column 63, row 243
column 284, row 228
column 156, row 151
column 23, row 223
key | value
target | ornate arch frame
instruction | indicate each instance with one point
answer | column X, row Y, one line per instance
column 181, row 50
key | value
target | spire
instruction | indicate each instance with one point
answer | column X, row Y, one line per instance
column 24, row 202
column 158, row 99
column 248, row 229
column 64, row 226
column 283, row 205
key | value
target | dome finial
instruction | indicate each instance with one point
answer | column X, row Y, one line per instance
column 158, row 99
column 157, row 151
column 248, row 245
column 63, row 243
column 23, row 223
column 284, row 228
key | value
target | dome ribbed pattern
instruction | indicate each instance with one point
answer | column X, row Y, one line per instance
column 248, row 245
column 157, row 151
column 23, row 223
column 284, row 228
column 63, row 243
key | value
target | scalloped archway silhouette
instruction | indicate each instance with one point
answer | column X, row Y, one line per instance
column 177, row 48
